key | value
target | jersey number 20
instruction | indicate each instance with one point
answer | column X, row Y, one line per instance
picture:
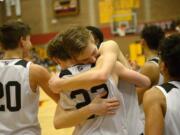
column 8, row 100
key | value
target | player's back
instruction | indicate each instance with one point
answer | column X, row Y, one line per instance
column 171, row 91
column 95, row 125
column 18, row 103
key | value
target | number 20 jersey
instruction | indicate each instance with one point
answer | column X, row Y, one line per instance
column 95, row 125
column 18, row 103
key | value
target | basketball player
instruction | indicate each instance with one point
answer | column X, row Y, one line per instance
column 19, row 94
column 163, row 100
column 151, row 37
column 54, row 49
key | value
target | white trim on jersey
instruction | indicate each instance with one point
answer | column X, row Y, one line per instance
column 162, row 90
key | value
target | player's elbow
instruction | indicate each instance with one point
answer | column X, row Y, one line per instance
column 146, row 83
column 54, row 86
column 58, row 124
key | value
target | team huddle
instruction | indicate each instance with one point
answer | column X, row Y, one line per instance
column 96, row 91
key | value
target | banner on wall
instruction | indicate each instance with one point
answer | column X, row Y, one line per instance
column 121, row 8
column 66, row 7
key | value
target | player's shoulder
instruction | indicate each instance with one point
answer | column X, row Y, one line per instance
column 154, row 99
column 108, row 44
column 109, row 41
column 151, row 70
column 150, row 66
column 21, row 62
column 37, row 69
column 35, row 66
column 153, row 96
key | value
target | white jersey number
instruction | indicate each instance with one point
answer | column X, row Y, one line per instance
column 7, row 92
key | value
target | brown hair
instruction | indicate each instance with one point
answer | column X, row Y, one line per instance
column 56, row 49
column 69, row 44
column 11, row 32
column 75, row 40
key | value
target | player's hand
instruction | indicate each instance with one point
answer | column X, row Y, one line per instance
column 53, row 83
column 101, row 106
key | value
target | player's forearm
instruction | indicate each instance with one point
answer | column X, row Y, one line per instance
column 72, row 118
column 143, row 88
column 85, row 80
column 141, row 80
column 134, row 77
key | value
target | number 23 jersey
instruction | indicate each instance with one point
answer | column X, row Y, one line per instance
column 95, row 125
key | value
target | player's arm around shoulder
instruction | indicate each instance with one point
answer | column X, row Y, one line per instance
column 83, row 80
column 109, row 51
column 131, row 76
column 39, row 76
column 95, row 76
column 154, row 104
